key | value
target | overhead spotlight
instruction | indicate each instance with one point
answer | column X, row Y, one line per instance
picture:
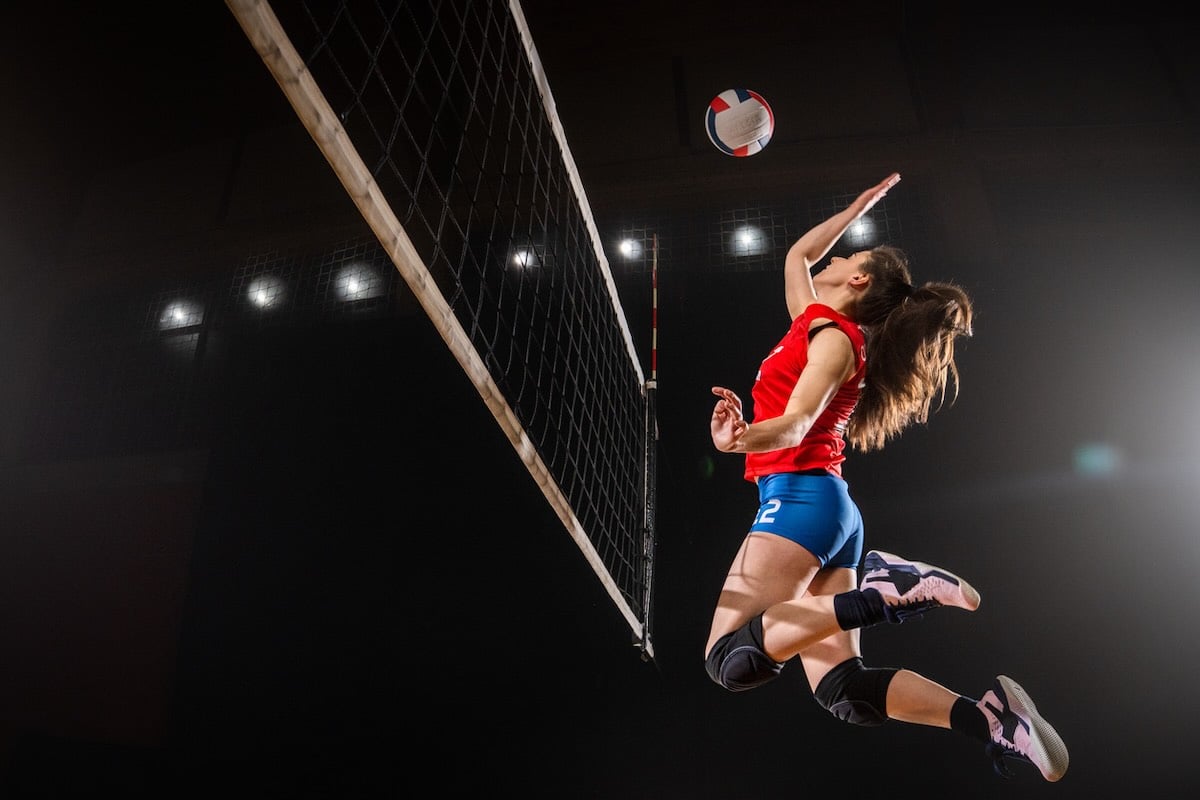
column 524, row 257
column 180, row 314
column 358, row 281
column 861, row 232
column 265, row 292
column 630, row 248
column 748, row 241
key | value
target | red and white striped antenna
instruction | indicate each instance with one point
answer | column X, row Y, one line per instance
column 654, row 311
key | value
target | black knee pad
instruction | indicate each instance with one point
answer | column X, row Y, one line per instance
column 737, row 660
column 856, row 694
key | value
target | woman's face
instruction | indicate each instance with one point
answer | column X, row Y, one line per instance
column 840, row 270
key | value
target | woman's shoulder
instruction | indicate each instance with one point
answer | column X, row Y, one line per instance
column 817, row 313
column 817, row 317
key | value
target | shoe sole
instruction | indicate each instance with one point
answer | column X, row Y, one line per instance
column 1049, row 752
column 968, row 597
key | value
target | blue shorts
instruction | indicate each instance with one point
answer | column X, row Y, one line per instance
column 815, row 512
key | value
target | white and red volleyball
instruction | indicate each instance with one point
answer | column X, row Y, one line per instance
column 739, row 122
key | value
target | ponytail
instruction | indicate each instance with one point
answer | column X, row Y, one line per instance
column 910, row 349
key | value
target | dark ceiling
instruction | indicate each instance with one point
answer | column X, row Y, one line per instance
column 862, row 88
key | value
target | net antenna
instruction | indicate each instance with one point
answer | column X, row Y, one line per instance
column 439, row 122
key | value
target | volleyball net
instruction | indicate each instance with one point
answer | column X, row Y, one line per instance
column 440, row 124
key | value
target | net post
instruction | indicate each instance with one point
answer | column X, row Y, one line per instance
column 649, row 532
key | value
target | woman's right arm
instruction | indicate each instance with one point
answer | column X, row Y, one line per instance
column 830, row 364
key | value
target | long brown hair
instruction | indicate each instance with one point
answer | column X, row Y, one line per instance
column 910, row 348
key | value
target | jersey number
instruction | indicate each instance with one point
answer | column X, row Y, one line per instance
column 766, row 512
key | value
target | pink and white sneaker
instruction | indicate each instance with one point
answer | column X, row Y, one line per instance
column 1019, row 732
column 910, row 588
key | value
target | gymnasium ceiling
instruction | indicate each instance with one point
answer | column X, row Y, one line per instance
column 951, row 93
column 859, row 89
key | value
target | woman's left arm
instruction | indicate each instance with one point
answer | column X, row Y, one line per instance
column 818, row 241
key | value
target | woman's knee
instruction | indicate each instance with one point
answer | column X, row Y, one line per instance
column 855, row 693
column 737, row 661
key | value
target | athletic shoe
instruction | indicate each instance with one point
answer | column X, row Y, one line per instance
column 911, row 588
column 1019, row 732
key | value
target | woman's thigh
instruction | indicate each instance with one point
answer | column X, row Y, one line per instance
column 767, row 569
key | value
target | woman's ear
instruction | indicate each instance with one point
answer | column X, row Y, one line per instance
column 860, row 280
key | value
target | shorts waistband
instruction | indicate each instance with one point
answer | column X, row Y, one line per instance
column 816, row 472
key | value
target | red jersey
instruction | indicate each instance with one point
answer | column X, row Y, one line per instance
column 823, row 445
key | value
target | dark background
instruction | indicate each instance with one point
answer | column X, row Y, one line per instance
column 339, row 580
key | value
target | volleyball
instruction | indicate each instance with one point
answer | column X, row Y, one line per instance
column 739, row 122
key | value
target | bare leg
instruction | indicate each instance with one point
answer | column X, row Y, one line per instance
column 768, row 570
column 916, row 699
column 820, row 657
column 807, row 626
column 910, row 698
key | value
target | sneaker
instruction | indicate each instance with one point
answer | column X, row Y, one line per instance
column 911, row 588
column 1019, row 732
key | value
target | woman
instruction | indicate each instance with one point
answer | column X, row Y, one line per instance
column 866, row 355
